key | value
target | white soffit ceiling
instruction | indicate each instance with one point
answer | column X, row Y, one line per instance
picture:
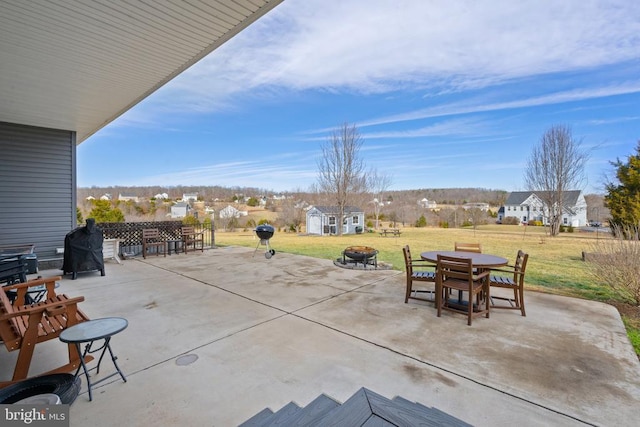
column 78, row 65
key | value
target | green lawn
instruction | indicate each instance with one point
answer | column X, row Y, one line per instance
column 555, row 263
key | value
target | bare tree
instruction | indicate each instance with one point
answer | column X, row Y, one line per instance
column 555, row 166
column 341, row 170
column 378, row 183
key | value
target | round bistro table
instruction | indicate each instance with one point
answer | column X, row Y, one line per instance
column 87, row 333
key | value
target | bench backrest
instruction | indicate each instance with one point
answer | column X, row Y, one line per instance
column 150, row 233
column 188, row 230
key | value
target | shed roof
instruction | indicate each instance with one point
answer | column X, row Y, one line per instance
column 336, row 209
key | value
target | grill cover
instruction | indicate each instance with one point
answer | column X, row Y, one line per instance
column 83, row 250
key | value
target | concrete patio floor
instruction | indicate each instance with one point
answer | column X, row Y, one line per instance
column 270, row 331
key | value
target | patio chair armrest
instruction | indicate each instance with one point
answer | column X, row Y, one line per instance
column 482, row 275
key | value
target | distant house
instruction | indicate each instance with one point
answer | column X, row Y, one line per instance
column 427, row 204
column 128, row 197
column 161, row 196
column 90, row 198
column 190, row 197
column 105, row 196
column 481, row 206
column 529, row 206
column 323, row 220
column 180, row 210
column 231, row 212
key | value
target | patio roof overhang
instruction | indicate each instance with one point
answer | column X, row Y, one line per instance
column 79, row 65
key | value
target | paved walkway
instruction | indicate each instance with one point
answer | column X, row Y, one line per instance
column 267, row 332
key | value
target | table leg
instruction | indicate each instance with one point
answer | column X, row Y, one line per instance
column 84, row 366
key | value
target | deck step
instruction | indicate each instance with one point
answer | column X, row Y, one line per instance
column 315, row 411
column 281, row 416
column 441, row 417
column 363, row 408
column 371, row 408
column 258, row 419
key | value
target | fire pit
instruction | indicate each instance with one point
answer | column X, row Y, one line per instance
column 360, row 254
column 264, row 233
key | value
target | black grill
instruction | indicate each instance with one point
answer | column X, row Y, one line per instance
column 83, row 250
column 264, row 233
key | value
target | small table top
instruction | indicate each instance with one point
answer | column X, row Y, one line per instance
column 92, row 330
column 478, row 260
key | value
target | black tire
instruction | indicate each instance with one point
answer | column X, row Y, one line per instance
column 66, row 386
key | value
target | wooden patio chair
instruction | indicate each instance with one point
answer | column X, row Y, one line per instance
column 457, row 273
column 468, row 247
column 420, row 275
column 511, row 277
column 192, row 239
column 23, row 326
column 151, row 239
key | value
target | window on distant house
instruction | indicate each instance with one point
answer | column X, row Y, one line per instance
column 355, row 219
column 332, row 220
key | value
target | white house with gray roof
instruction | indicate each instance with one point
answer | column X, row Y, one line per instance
column 529, row 206
column 323, row 220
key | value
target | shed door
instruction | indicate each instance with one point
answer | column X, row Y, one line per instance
column 314, row 226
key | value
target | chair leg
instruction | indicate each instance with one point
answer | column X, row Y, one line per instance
column 521, row 292
column 487, row 298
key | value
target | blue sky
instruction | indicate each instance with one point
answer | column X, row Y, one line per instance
column 445, row 94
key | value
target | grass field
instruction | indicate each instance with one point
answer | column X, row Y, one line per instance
column 555, row 263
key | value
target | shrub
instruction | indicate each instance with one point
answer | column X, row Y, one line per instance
column 617, row 263
column 190, row 220
column 510, row 220
column 570, row 229
column 421, row 222
column 443, row 224
column 263, row 221
column 536, row 223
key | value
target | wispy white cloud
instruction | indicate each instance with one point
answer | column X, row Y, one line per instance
column 273, row 172
column 615, row 120
column 477, row 106
column 378, row 46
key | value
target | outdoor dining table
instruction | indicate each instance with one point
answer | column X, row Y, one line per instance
column 480, row 261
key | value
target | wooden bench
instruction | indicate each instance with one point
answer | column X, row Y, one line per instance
column 23, row 326
column 191, row 238
column 390, row 232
